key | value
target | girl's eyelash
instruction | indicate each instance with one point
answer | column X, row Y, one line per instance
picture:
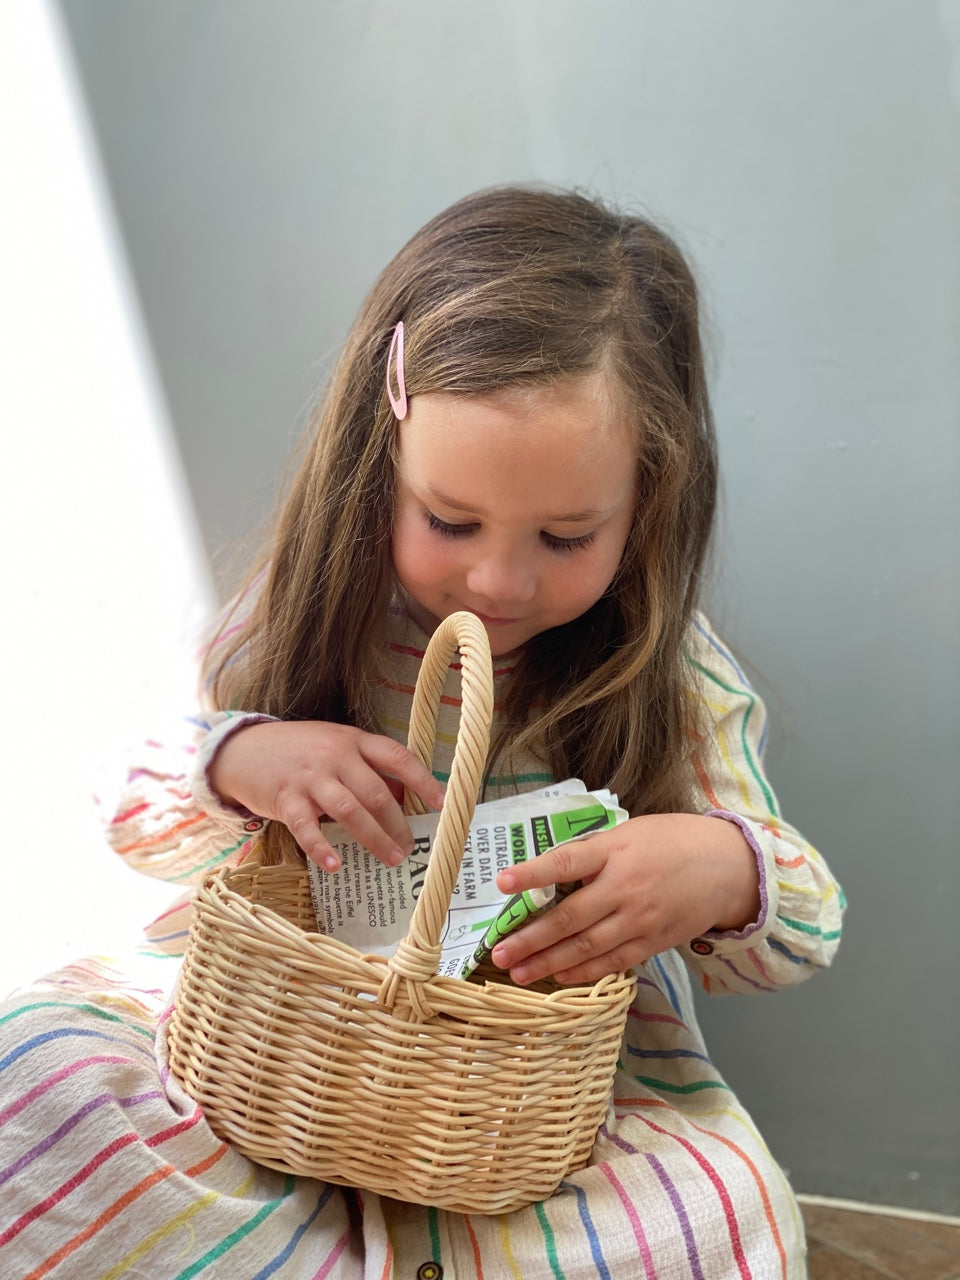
column 568, row 544
column 550, row 540
column 448, row 530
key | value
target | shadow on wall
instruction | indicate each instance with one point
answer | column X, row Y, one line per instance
column 106, row 584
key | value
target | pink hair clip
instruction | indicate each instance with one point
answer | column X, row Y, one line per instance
column 398, row 401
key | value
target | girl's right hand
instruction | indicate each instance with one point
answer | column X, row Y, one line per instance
column 297, row 772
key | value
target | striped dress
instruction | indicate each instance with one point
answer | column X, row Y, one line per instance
column 107, row 1168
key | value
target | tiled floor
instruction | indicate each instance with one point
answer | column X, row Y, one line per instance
column 845, row 1244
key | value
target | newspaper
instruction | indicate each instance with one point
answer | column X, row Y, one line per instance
column 369, row 905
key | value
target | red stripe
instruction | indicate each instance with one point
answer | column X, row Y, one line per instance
column 633, row 1218
column 705, row 781
column 444, row 698
column 335, row 1253
column 165, row 1134
column 454, row 666
column 39, row 1089
column 90, row 1167
column 171, row 911
column 475, row 1246
column 755, row 1172
column 656, row 1017
column 130, row 813
column 65, row 1188
column 196, row 1169
column 163, row 835
column 793, row 862
column 728, row 1210
column 408, row 689
column 98, row 1224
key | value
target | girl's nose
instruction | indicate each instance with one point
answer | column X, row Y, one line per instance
column 501, row 579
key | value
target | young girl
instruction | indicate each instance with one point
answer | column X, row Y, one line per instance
column 518, row 426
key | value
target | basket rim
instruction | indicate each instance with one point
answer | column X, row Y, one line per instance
column 611, row 991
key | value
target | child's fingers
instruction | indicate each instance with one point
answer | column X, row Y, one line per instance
column 393, row 759
column 301, row 818
column 617, row 961
column 570, row 921
column 361, row 802
column 567, row 863
column 604, row 947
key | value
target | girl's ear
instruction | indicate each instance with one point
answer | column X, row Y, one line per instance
column 398, row 399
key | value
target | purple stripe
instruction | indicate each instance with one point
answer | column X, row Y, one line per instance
column 648, row 982
column 71, row 1123
column 726, row 815
column 692, row 1255
column 618, row 1141
column 759, row 986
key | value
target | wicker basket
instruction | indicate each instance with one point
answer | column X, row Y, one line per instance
column 313, row 1059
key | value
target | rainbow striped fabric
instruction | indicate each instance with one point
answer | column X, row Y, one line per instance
column 107, row 1169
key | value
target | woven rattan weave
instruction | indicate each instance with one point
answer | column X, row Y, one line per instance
column 374, row 1073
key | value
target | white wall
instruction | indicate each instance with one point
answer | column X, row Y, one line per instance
column 103, row 577
column 266, row 160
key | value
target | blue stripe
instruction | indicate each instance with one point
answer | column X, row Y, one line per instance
column 67, row 1031
column 747, row 686
column 671, row 994
column 777, row 945
column 724, row 653
column 168, row 937
column 590, row 1229
column 276, row 1263
column 668, row 1053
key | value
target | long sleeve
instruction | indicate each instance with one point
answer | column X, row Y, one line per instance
column 801, row 904
column 166, row 821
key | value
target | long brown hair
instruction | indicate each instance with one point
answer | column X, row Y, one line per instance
column 508, row 287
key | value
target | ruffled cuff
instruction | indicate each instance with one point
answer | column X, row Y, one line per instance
column 222, row 727
column 712, row 940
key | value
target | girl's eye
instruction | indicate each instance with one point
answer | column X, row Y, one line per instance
column 448, row 530
column 550, row 540
column 568, row 544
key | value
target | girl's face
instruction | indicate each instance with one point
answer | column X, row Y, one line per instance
column 515, row 506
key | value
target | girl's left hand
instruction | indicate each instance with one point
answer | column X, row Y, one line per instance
column 649, row 884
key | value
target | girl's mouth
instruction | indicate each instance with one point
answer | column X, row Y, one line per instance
column 488, row 621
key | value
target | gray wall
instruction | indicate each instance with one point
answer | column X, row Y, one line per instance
column 267, row 159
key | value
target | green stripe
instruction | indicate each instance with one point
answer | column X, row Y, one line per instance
column 433, row 1222
column 548, row 1240
column 696, row 1087
column 205, row 866
column 507, row 779
column 236, row 1236
column 754, row 769
column 814, row 930
column 87, row 1008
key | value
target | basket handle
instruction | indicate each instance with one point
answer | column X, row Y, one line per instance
column 416, row 958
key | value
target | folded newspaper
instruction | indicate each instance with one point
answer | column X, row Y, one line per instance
column 369, row 905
